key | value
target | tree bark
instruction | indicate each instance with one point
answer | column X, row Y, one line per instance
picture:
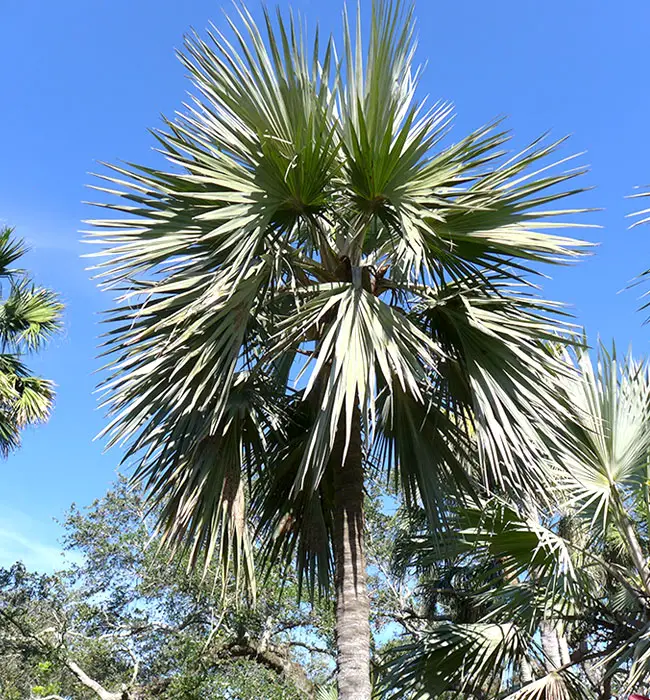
column 565, row 652
column 96, row 687
column 550, row 646
column 352, row 602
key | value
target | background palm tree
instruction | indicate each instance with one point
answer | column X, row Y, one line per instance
column 557, row 599
column 316, row 288
column 28, row 317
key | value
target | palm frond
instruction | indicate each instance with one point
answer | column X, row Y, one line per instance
column 35, row 397
column 29, row 316
column 11, row 250
column 501, row 375
column 198, row 483
column 295, row 525
column 553, row 686
column 327, row 693
column 642, row 217
column 644, row 214
column 612, row 402
column 462, row 658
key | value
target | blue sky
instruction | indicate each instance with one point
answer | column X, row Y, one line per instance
column 81, row 82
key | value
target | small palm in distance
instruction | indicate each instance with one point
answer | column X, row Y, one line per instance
column 29, row 315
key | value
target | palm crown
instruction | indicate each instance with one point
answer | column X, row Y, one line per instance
column 316, row 280
column 28, row 317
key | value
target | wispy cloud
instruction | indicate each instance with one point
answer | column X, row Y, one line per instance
column 35, row 555
column 32, row 542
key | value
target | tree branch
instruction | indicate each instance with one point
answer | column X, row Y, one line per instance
column 310, row 648
column 96, row 687
column 273, row 660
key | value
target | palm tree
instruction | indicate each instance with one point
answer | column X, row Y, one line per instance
column 316, row 287
column 562, row 594
column 28, row 317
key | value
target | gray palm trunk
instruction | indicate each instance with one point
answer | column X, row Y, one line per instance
column 606, row 691
column 551, row 646
column 352, row 602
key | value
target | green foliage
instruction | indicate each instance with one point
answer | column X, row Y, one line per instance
column 547, row 602
column 239, row 680
column 29, row 315
column 122, row 605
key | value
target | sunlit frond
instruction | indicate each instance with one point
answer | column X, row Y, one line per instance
column 327, row 693
column 553, row 686
column 12, row 249
column 574, row 572
column 462, row 658
column 29, row 316
column 612, row 402
column 644, row 214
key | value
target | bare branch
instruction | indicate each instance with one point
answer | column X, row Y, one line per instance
column 310, row 647
column 136, row 664
column 86, row 680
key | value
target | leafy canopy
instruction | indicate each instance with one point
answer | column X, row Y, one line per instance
column 117, row 619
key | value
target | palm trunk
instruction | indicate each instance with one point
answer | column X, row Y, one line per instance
column 352, row 602
column 634, row 547
column 550, row 646
column 526, row 672
column 606, row 692
column 565, row 652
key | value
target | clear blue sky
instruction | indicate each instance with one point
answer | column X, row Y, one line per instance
column 82, row 80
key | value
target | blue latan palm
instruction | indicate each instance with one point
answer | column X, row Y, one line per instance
column 315, row 285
